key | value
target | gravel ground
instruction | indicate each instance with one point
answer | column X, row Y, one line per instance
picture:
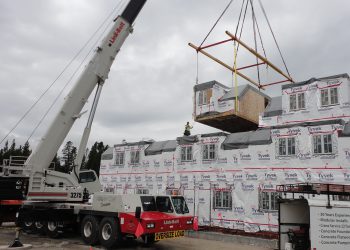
column 72, row 241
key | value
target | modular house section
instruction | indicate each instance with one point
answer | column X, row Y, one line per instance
column 215, row 105
column 317, row 99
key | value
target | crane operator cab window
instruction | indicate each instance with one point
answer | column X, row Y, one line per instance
column 164, row 204
column 87, row 176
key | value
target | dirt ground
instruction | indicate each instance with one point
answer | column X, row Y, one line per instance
column 72, row 241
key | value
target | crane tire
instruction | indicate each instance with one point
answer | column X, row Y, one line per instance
column 89, row 229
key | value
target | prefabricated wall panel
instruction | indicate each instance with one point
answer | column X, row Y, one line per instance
column 246, row 169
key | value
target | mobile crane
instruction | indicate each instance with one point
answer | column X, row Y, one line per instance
column 55, row 200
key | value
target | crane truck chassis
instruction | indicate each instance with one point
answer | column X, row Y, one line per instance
column 51, row 201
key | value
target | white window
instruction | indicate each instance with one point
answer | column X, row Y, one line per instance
column 209, row 152
column 268, row 201
column 135, row 157
column 297, row 101
column 186, row 153
column 142, row 191
column 322, row 144
column 329, row 96
column 341, row 197
column 119, row 158
column 202, row 97
column 222, row 199
column 286, row 146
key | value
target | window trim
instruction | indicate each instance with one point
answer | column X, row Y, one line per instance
column 287, row 145
column 297, row 101
column 323, row 136
column 207, row 153
column 186, row 156
column 272, row 205
column 329, row 97
column 203, row 97
column 120, row 163
column 135, row 157
column 222, row 199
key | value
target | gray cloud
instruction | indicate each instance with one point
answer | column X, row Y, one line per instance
column 149, row 91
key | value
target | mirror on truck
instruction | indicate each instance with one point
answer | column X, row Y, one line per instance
column 138, row 213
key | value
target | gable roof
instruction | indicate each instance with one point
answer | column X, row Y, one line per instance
column 208, row 85
column 241, row 90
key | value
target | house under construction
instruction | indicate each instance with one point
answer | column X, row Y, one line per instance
column 229, row 178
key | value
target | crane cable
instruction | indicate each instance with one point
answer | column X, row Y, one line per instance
column 57, row 78
column 274, row 38
column 255, row 42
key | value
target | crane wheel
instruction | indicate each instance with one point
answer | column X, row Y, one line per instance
column 89, row 230
column 149, row 239
column 53, row 229
column 28, row 224
column 109, row 232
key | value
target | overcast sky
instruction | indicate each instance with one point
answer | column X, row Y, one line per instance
column 150, row 87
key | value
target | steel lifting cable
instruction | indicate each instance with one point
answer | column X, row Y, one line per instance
column 274, row 38
column 58, row 77
column 255, row 43
column 228, row 5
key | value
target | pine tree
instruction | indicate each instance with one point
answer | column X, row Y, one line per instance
column 94, row 159
column 69, row 153
column 26, row 151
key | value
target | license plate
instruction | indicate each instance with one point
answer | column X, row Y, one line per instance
column 169, row 235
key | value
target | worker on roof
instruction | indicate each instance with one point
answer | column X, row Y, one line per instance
column 188, row 128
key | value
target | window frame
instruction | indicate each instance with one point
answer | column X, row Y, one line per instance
column 119, row 161
column 134, row 157
column 209, row 152
column 186, row 153
column 298, row 101
column 288, row 146
column 329, row 96
column 268, row 201
column 324, row 144
column 203, row 97
column 222, row 199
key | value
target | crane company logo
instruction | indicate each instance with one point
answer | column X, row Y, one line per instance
column 257, row 212
column 270, row 176
column 221, row 177
column 263, row 157
column 245, row 157
column 168, row 163
column 346, row 176
column 237, row 177
column 238, row 210
column 326, row 177
column 205, row 177
column 116, row 33
column 247, row 187
column 290, row 176
column 156, row 163
column 251, row 177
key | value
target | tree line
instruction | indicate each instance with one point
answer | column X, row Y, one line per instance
column 63, row 163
